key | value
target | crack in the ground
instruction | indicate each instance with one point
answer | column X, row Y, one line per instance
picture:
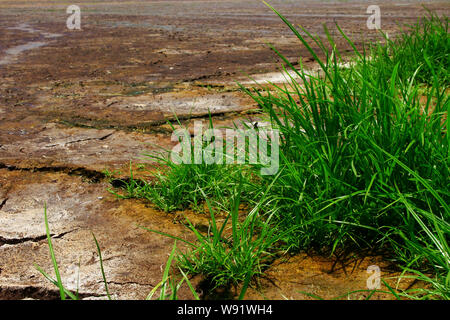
column 128, row 282
column 92, row 175
column 150, row 127
column 2, row 204
column 14, row 241
column 219, row 88
column 80, row 140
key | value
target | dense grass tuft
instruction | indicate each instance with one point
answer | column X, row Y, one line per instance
column 233, row 251
column 343, row 137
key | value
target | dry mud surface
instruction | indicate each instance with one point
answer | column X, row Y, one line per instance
column 73, row 103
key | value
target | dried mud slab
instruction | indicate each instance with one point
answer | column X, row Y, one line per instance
column 133, row 258
column 56, row 146
column 150, row 111
column 185, row 104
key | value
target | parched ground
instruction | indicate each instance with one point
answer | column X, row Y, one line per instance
column 73, row 103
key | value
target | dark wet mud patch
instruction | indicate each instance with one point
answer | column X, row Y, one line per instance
column 88, row 175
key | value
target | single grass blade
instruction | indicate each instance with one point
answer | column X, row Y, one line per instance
column 101, row 267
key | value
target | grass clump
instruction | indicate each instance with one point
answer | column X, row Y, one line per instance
column 233, row 252
column 178, row 186
column 364, row 152
column 364, row 164
column 343, row 135
column 181, row 186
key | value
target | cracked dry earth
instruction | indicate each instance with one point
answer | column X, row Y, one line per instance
column 73, row 103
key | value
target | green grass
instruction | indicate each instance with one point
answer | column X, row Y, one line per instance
column 232, row 252
column 342, row 133
column 64, row 293
column 364, row 165
column 58, row 282
column 418, row 45
column 181, row 186
column 169, row 286
column 365, row 152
